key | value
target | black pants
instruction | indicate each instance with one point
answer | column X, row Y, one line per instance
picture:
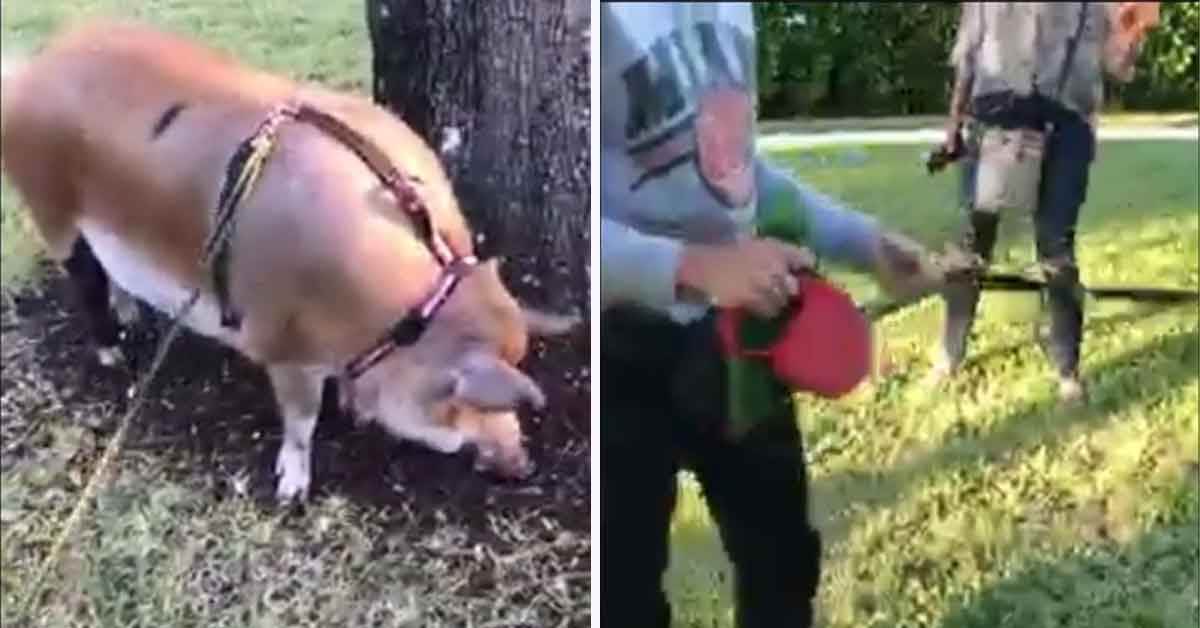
column 1070, row 149
column 663, row 406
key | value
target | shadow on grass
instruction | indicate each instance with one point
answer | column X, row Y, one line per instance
column 1093, row 326
column 698, row 578
column 1149, row 583
column 1037, row 423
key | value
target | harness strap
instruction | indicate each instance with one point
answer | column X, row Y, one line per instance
column 246, row 167
column 243, row 173
column 410, row 328
column 1072, row 46
column 402, row 186
column 241, row 176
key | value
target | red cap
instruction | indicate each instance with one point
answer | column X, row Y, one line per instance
column 824, row 348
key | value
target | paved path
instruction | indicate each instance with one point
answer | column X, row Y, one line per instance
column 930, row 136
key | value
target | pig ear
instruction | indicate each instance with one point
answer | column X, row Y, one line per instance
column 542, row 323
column 490, row 384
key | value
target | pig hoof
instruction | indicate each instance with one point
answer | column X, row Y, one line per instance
column 291, row 488
column 525, row 472
column 110, row 357
column 127, row 312
column 124, row 306
column 292, row 469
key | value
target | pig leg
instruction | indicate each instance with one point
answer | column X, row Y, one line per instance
column 90, row 289
column 298, row 391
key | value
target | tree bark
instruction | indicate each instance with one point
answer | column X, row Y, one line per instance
column 503, row 85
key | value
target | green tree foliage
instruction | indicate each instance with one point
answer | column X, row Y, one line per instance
column 1168, row 73
column 885, row 58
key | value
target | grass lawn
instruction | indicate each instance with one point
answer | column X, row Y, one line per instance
column 900, row 123
column 985, row 506
column 173, row 543
column 304, row 39
column 980, row 507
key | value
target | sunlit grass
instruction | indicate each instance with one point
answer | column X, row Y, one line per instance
column 985, row 505
column 304, row 39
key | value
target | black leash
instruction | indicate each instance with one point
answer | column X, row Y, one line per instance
column 1013, row 282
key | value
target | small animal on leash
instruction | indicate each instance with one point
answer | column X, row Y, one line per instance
column 122, row 139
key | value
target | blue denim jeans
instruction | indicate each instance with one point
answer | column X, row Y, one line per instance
column 1070, row 150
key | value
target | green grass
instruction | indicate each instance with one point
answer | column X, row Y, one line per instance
column 985, row 505
column 158, row 550
column 980, row 507
column 303, row 39
column 901, row 123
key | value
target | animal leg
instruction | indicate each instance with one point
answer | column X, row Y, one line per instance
column 298, row 391
column 90, row 288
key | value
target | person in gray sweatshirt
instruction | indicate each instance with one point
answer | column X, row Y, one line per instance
column 682, row 188
column 1036, row 66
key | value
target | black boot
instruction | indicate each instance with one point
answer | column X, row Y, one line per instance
column 962, row 294
column 1064, row 300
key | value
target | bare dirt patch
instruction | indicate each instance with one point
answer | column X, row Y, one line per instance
column 214, row 410
column 210, row 424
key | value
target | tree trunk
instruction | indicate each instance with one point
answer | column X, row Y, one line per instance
column 503, row 85
column 833, row 88
column 507, row 83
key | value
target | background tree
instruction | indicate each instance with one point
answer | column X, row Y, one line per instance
column 1169, row 67
column 503, row 85
column 884, row 58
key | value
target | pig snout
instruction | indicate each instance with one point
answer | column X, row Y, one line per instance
column 509, row 464
column 498, row 442
column 501, row 447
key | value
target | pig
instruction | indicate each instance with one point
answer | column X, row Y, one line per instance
column 118, row 136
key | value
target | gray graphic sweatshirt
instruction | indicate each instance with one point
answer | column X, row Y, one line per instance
column 678, row 164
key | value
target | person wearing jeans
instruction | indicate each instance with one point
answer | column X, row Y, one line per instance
column 1035, row 65
column 682, row 189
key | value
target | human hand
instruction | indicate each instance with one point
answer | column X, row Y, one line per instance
column 1131, row 21
column 949, row 151
column 903, row 268
column 751, row 273
column 952, row 144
